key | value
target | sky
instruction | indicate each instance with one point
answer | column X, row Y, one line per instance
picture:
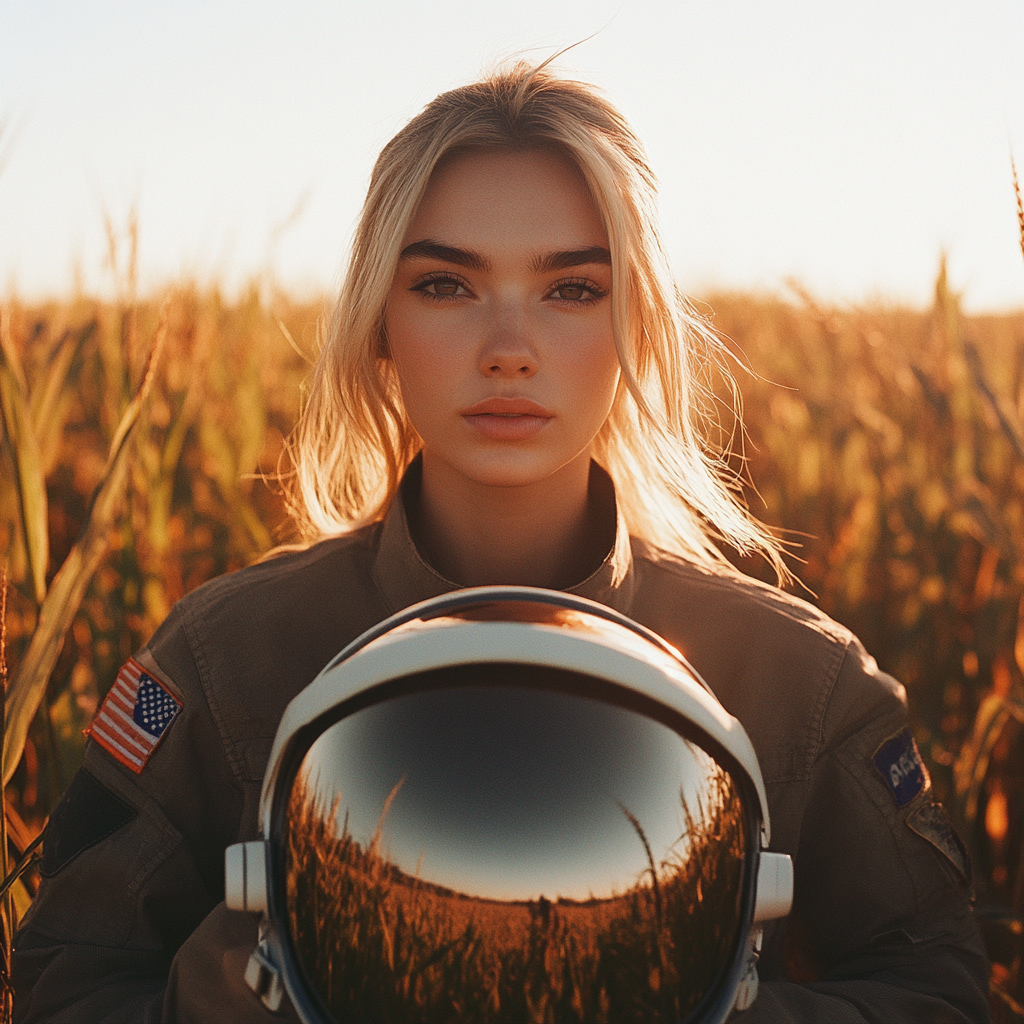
column 843, row 145
column 512, row 793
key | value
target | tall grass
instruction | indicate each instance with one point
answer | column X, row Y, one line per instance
column 889, row 443
column 184, row 501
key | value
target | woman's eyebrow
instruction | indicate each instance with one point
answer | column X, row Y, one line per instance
column 567, row 258
column 427, row 248
column 561, row 259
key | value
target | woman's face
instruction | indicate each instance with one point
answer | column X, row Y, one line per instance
column 499, row 318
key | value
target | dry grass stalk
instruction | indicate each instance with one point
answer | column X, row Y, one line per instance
column 7, row 903
column 23, row 443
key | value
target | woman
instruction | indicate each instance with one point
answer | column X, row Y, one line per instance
column 510, row 392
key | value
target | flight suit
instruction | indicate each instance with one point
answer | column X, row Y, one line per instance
column 129, row 924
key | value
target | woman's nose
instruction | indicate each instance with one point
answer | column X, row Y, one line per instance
column 507, row 350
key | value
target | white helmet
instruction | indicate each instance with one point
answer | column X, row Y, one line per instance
column 508, row 805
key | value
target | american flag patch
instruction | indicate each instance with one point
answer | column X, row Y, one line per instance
column 134, row 716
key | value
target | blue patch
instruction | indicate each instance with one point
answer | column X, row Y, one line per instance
column 899, row 763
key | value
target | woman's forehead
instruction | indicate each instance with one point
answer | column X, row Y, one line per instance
column 537, row 198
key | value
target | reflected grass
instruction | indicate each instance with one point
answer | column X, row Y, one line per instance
column 379, row 944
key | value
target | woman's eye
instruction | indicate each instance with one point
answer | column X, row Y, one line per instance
column 442, row 287
column 577, row 291
column 445, row 287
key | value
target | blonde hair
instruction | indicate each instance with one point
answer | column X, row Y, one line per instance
column 354, row 440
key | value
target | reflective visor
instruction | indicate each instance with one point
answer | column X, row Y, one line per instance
column 492, row 843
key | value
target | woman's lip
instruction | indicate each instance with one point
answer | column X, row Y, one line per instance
column 508, row 419
column 508, row 407
column 505, row 426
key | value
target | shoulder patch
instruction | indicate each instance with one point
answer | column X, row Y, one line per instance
column 899, row 763
column 86, row 814
column 134, row 716
column 930, row 821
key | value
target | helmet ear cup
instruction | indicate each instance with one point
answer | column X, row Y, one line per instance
column 774, row 886
column 245, row 877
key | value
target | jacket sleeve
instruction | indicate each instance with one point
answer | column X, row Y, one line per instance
column 133, row 878
column 881, row 928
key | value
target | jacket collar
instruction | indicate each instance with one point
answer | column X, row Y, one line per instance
column 404, row 577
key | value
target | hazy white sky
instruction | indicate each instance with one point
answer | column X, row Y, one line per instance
column 845, row 144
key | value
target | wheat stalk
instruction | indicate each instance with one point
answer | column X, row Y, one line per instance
column 6, row 902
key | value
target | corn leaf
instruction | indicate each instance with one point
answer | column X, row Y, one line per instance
column 52, row 399
column 973, row 762
column 22, row 901
column 68, row 588
column 28, row 466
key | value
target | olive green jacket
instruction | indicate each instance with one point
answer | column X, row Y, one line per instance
column 129, row 924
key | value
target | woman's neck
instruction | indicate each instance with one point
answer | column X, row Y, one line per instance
column 539, row 535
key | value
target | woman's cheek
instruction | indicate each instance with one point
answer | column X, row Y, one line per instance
column 594, row 367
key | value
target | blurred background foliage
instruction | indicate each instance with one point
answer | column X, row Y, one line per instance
column 196, row 499
column 887, row 441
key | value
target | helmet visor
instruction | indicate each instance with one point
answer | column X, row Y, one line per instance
column 493, row 844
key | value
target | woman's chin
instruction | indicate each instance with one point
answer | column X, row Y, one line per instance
column 511, row 468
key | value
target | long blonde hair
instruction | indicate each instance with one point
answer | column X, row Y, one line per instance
column 354, row 440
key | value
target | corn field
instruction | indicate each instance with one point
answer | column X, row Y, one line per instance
column 142, row 438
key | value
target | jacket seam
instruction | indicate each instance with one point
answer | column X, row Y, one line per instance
column 231, row 753
column 384, row 597
column 838, row 657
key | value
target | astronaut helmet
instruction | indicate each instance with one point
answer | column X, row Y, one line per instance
column 507, row 805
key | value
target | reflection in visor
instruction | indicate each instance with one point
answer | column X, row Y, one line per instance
column 504, row 854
